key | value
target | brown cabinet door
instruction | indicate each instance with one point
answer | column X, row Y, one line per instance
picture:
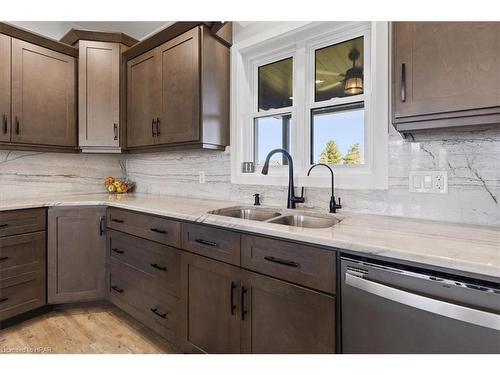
column 210, row 320
column 180, row 89
column 43, row 96
column 143, row 98
column 99, row 94
column 445, row 69
column 278, row 317
column 5, row 88
column 76, row 254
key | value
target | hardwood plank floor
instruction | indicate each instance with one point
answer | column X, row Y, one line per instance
column 83, row 330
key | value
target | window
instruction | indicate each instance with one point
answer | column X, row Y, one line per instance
column 275, row 95
column 337, row 135
column 270, row 133
column 310, row 90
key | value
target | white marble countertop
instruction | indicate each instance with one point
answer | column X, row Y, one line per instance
column 467, row 248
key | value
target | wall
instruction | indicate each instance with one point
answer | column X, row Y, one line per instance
column 471, row 158
column 33, row 174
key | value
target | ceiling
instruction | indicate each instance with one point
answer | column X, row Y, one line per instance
column 57, row 29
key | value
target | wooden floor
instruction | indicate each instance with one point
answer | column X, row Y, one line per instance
column 82, row 330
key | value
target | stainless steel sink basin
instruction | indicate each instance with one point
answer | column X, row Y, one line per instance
column 307, row 220
column 249, row 213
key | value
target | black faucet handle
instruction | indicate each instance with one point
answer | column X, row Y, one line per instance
column 334, row 206
column 257, row 199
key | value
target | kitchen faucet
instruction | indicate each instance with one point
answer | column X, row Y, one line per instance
column 333, row 204
column 292, row 199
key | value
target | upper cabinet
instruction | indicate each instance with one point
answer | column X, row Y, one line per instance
column 37, row 92
column 101, row 89
column 178, row 92
column 5, row 45
column 445, row 74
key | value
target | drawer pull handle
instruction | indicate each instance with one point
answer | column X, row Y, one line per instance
column 158, row 230
column 2, row 259
column 4, row 299
column 155, row 265
column 282, row 261
column 116, row 289
column 155, row 311
column 243, row 311
column 117, row 220
column 206, row 242
column 2, row 226
column 117, row 250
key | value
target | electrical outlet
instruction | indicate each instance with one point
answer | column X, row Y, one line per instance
column 202, row 177
column 428, row 182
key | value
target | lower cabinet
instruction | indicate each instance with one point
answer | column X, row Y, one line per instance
column 76, row 254
column 225, row 309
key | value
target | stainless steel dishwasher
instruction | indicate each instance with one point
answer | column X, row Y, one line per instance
column 392, row 309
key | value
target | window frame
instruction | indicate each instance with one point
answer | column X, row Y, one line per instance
column 300, row 43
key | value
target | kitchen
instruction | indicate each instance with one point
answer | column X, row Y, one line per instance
column 250, row 187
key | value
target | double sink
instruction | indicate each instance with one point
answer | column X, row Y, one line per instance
column 284, row 217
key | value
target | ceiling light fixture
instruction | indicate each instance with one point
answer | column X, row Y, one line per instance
column 353, row 81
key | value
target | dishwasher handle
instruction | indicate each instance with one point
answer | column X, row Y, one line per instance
column 449, row 310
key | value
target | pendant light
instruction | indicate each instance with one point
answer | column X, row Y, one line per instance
column 353, row 81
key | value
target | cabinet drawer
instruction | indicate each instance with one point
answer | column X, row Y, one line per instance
column 21, row 221
column 300, row 264
column 160, row 262
column 214, row 243
column 139, row 295
column 152, row 228
column 21, row 293
column 22, row 253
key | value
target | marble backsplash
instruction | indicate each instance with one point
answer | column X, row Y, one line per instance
column 32, row 174
column 471, row 158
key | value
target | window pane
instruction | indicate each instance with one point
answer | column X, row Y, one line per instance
column 339, row 70
column 276, row 85
column 270, row 133
column 338, row 135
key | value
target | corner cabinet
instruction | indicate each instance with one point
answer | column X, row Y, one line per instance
column 99, row 96
column 76, row 254
column 445, row 74
column 178, row 94
column 37, row 97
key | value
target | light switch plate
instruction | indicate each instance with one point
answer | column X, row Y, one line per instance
column 428, row 182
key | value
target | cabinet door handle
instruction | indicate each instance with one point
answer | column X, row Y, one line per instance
column 158, row 123
column 155, row 311
column 115, row 131
column 233, row 306
column 18, row 130
column 117, row 289
column 153, row 124
column 403, row 83
column 206, row 242
column 4, row 124
column 155, row 265
column 117, row 251
column 3, row 226
column 101, row 225
column 4, row 299
column 3, row 259
column 243, row 311
column 118, row 220
column 156, row 230
column 288, row 263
